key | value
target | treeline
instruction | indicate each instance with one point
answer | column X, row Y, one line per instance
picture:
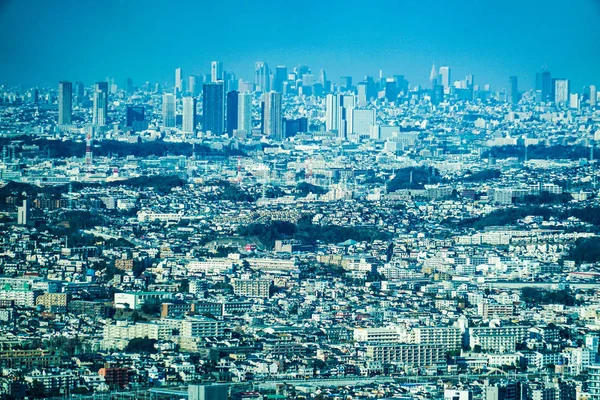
column 304, row 188
column 481, row 176
column 159, row 148
column 539, row 152
column 507, row 216
column 586, row 250
column 421, row 176
column 309, row 233
column 540, row 296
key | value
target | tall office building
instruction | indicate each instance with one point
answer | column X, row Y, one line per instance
column 361, row 94
column 100, row 106
column 189, row 115
column 543, row 86
column 593, row 96
column 281, row 74
column 231, row 122
column 331, row 113
column 168, row 110
column 79, row 92
column 445, row 79
column 433, row 77
column 129, row 85
column 213, row 107
column 193, row 85
column 273, row 117
column 216, row 71
column 345, row 103
column 178, row 81
column 345, row 83
column 361, row 121
column 513, row 90
column 261, row 76
column 245, row 112
column 135, row 118
column 561, row 91
column 65, row 106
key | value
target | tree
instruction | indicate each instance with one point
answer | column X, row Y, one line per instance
column 151, row 307
column 37, row 389
column 141, row 345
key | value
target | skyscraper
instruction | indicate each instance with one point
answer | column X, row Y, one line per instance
column 513, row 90
column 189, row 114
column 345, row 83
column 261, row 76
column 178, row 81
column 281, row 74
column 331, row 113
column 322, row 77
column 168, row 110
column 561, row 91
column 232, row 111
column 433, row 77
column 216, row 71
column 193, row 85
column 361, row 122
column 345, row 103
column 129, row 86
column 213, row 107
column 100, row 106
column 65, row 92
column 79, row 92
column 445, row 79
column 543, row 86
column 135, row 118
column 361, row 90
column 593, row 96
column 273, row 117
column 245, row 112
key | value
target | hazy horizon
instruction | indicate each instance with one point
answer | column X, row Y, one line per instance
column 46, row 42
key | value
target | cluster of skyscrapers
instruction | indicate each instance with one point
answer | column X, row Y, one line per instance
column 227, row 103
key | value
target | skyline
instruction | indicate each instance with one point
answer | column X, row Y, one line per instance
column 358, row 43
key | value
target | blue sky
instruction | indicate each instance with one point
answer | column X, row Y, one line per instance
column 44, row 41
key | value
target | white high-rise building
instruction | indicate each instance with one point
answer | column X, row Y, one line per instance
column 445, row 79
column 262, row 77
column 361, row 122
column 100, row 106
column 245, row 112
column 346, row 102
column 561, row 91
column 168, row 110
column 593, row 96
column 574, row 101
column 193, row 87
column 273, row 117
column 216, row 71
column 178, row 81
column 189, row 114
column 331, row 113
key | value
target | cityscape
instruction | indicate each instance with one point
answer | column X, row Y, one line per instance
column 299, row 234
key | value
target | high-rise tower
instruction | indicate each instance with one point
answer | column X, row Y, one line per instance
column 245, row 112
column 216, row 71
column 100, row 106
column 273, row 117
column 189, row 114
column 213, row 107
column 261, row 76
column 65, row 93
column 168, row 110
